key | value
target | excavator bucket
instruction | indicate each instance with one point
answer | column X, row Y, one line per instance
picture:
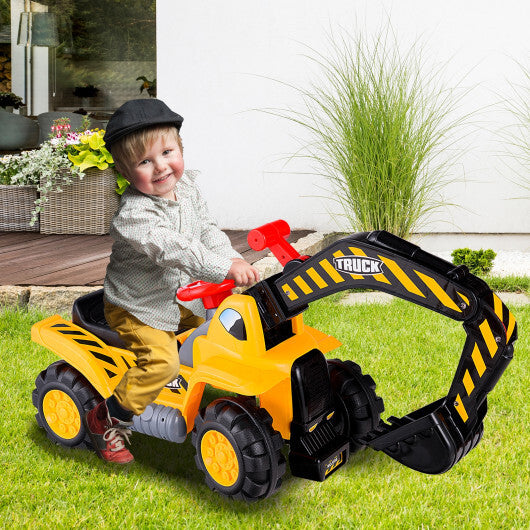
column 435, row 437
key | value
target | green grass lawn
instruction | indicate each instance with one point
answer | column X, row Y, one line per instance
column 512, row 283
column 412, row 354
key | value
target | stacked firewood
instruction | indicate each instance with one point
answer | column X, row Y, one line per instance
column 5, row 72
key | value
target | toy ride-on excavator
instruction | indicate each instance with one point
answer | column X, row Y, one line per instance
column 281, row 386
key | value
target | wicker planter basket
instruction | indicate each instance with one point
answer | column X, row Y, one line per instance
column 16, row 205
column 83, row 207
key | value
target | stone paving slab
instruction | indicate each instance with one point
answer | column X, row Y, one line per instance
column 385, row 298
column 367, row 298
column 14, row 296
column 515, row 298
column 57, row 299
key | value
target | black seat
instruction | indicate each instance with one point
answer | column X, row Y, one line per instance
column 87, row 313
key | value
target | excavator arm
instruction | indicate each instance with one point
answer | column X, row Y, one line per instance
column 435, row 437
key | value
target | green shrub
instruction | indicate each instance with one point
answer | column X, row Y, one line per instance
column 477, row 261
column 8, row 99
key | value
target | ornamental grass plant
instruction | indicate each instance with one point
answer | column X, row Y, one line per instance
column 381, row 130
column 517, row 135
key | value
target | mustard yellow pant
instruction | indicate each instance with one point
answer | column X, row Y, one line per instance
column 156, row 356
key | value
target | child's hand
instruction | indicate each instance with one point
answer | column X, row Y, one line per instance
column 242, row 273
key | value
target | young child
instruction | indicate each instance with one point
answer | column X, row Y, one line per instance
column 164, row 238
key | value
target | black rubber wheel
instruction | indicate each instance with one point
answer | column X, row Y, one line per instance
column 238, row 450
column 62, row 396
column 356, row 399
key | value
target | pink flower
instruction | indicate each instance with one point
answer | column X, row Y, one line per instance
column 72, row 138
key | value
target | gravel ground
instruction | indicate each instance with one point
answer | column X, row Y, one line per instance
column 506, row 263
column 511, row 262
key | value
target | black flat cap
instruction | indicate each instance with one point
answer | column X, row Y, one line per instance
column 139, row 114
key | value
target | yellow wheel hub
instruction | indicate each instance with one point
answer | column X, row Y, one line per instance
column 61, row 414
column 219, row 458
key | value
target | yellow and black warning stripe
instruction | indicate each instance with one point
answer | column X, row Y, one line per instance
column 113, row 363
column 506, row 317
column 493, row 338
column 471, row 382
column 490, row 325
column 317, row 277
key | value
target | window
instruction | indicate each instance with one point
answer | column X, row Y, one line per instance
column 98, row 51
column 105, row 44
column 232, row 321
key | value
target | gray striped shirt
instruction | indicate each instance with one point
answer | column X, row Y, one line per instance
column 160, row 245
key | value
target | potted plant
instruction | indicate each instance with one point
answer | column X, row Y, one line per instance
column 18, row 193
column 10, row 101
column 81, row 198
column 149, row 86
column 42, row 170
column 71, row 179
column 90, row 151
column 85, row 92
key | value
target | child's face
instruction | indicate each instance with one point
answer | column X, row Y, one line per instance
column 159, row 169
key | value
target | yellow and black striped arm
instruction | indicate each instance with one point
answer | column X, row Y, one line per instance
column 487, row 352
column 357, row 262
column 435, row 437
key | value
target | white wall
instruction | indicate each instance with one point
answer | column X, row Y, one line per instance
column 217, row 60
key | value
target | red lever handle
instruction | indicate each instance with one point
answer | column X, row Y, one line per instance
column 212, row 294
column 273, row 235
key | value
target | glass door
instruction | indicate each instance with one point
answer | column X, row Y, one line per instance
column 93, row 55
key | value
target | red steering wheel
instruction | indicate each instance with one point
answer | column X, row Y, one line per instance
column 212, row 294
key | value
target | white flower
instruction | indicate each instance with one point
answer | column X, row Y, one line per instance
column 72, row 139
column 48, row 168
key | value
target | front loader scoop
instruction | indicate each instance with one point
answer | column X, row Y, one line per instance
column 435, row 437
